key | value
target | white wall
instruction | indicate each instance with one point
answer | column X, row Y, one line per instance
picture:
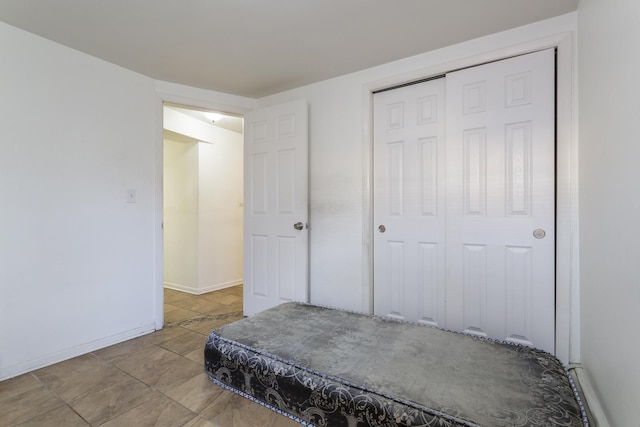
column 221, row 213
column 76, row 260
column 609, row 36
column 180, row 225
column 202, row 205
column 339, row 138
column 75, row 254
column 80, row 268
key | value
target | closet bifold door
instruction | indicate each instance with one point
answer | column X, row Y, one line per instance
column 501, row 200
column 409, row 203
column 464, row 203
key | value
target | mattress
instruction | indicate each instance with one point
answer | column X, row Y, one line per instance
column 329, row 367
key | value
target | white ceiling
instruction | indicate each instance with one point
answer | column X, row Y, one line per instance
column 255, row 48
column 232, row 123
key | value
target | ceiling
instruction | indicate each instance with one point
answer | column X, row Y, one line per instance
column 256, row 48
column 232, row 123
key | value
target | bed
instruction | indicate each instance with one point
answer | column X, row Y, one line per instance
column 329, row 367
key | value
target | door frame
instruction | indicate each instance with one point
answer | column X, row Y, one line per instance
column 567, row 311
column 196, row 98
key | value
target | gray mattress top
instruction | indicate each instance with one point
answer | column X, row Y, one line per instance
column 467, row 377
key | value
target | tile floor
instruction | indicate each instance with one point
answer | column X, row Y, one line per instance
column 154, row 380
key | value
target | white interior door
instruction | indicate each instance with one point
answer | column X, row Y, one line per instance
column 409, row 203
column 276, row 206
column 482, row 259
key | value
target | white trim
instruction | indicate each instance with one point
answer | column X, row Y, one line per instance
column 193, row 97
column 70, row 353
column 598, row 417
column 205, row 99
column 367, row 200
column 567, row 243
column 204, row 290
column 158, row 218
column 567, row 295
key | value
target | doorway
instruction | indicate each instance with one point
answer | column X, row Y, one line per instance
column 202, row 200
column 464, row 201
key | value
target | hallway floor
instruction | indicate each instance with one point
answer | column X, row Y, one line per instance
column 154, row 380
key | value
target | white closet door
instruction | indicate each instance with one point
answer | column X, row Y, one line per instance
column 409, row 203
column 467, row 240
column 500, row 200
column 275, row 213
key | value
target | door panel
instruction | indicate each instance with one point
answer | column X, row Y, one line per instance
column 409, row 203
column 276, row 253
column 500, row 187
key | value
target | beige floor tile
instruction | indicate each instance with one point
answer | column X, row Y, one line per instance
column 237, row 305
column 197, row 356
column 62, row 416
column 18, row 385
column 118, row 352
column 148, row 359
column 157, row 412
column 206, row 324
column 210, row 304
column 185, row 343
column 168, row 308
column 220, row 411
column 171, row 296
column 233, row 290
column 216, row 296
column 282, row 421
column 22, row 407
column 235, row 316
column 250, row 414
column 185, row 301
column 228, row 299
column 124, row 384
column 179, row 314
column 164, row 334
column 101, row 406
column 196, row 394
column 226, row 309
column 231, row 317
column 231, row 409
column 200, row 305
column 199, row 422
column 160, row 368
column 80, row 375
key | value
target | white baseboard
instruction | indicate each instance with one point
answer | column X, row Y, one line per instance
column 597, row 417
column 181, row 288
column 202, row 290
column 60, row 356
column 219, row 286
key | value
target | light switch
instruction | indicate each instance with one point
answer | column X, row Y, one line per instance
column 131, row 195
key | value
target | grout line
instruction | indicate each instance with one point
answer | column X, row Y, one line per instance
column 204, row 318
column 201, row 317
column 53, row 393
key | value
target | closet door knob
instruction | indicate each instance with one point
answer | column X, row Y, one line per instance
column 539, row 233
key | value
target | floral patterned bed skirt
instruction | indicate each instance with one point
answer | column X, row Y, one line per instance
column 327, row 367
